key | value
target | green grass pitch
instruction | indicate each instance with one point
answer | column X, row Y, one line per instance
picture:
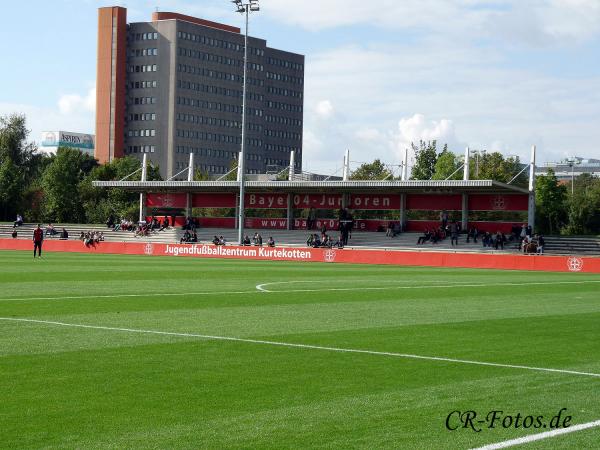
column 123, row 382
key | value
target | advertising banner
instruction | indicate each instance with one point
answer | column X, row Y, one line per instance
column 573, row 264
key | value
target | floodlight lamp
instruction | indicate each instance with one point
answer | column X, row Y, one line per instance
column 254, row 7
column 241, row 9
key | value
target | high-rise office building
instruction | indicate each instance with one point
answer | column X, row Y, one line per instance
column 173, row 86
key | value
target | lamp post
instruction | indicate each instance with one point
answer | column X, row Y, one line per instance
column 243, row 7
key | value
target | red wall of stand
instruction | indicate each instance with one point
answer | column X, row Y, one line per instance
column 388, row 257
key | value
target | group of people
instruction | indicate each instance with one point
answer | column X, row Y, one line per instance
column 438, row 234
column 189, row 237
column 219, row 240
column 393, row 229
column 91, row 238
column 497, row 240
column 257, row 240
column 324, row 241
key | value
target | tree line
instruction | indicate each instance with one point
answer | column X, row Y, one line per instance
column 58, row 188
column 559, row 209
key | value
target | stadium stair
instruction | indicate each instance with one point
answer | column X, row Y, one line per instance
column 297, row 238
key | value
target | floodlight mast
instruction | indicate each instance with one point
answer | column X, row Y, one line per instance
column 243, row 7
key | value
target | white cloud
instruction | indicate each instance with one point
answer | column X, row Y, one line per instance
column 324, row 109
column 417, row 128
column 377, row 91
column 75, row 103
column 535, row 22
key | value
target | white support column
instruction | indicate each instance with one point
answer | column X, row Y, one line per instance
column 191, row 168
column 346, row 175
column 188, row 205
column 405, row 166
column 531, row 208
column 290, row 212
column 292, row 170
column 403, row 212
column 465, row 212
column 466, row 167
column 142, row 194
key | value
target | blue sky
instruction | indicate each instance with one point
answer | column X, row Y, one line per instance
column 500, row 75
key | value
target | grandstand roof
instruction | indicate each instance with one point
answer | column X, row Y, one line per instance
column 398, row 187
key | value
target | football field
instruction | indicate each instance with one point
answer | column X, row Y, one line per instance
column 114, row 351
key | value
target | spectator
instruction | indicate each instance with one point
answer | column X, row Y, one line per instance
column 444, row 218
column 426, row 236
column 216, row 240
column 222, row 240
column 540, row 244
column 310, row 221
column 19, row 221
column 390, row 229
column 499, row 240
column 522, row 235
column 270, row 242
column 246, row 241
column 110, row 222
column 50, row 231
column 186, row 237
column 486, row 241
column 454, row 233
column 473, row 234
column 64, row 234
column 310, row 240
column 340, row 242
column 349, row 226
column 14, row 232
column 165, row 224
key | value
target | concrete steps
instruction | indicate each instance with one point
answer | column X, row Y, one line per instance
column 570, row 245
column 297, row 238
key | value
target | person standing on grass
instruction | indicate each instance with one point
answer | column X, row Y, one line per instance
column 38, row 238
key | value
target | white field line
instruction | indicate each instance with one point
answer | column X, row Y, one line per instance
column 303, row 346
column 152, row 294
column 261, row 287
column 540, row 436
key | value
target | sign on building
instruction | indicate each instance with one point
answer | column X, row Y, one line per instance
column 79, row 141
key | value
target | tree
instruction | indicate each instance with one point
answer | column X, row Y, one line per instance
column 493, row 166
column 19, row 165
column 10, row 188
column 425, row 160
column 371, row 171
column 551, row 203
column 584, row 206
column 100, row 203
column 60, row 183
column 447, row 164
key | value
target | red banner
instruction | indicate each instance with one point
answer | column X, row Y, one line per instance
column 273, row 224
column 434, row 202
column 317, row 201
column 166, row 200
column 508, row 202
column 393, row 257
column 266, row 201
column 213, row 200
column 374, row 202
